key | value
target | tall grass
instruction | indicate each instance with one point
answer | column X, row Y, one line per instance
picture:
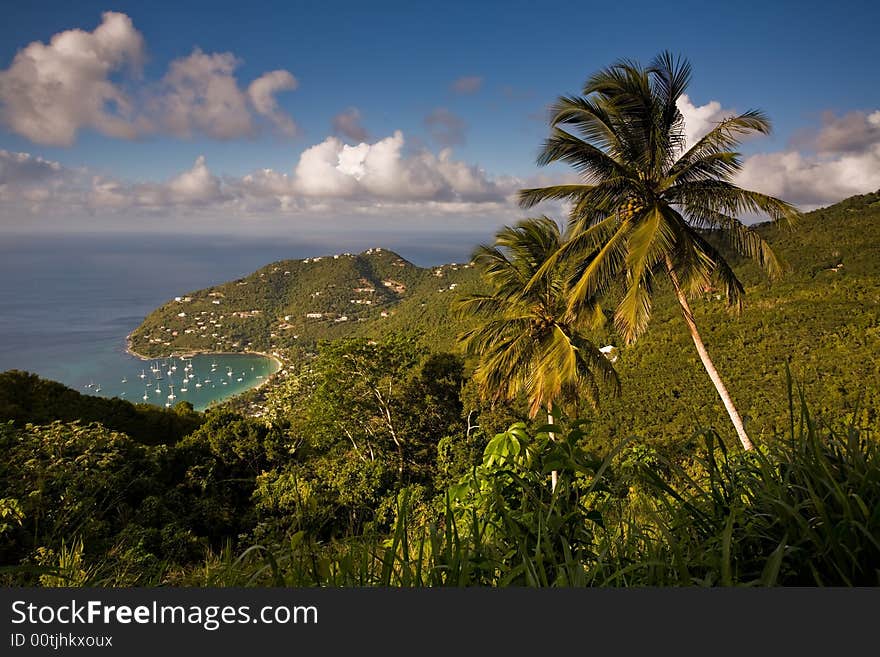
column 804, row 510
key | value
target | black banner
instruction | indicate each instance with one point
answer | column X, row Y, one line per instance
column 434, row 621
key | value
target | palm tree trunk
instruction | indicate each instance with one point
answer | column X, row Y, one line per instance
column 554, row 476
column 707, row 362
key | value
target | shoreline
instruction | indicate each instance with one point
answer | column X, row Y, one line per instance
column 279, row 364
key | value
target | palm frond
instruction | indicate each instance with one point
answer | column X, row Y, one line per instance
column 725, row 137
column 528, row 198
column 591, row 162
column 727, row 198
column 525, row 339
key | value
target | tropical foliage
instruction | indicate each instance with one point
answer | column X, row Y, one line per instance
column 529, row 342
column 649, row 199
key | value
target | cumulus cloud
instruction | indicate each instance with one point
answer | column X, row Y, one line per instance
column 31, row 184
column 24, row 168
column 468, row 84
column 201, row 93
column 262, row 96
column 823, row 165
column 348, row 124
column 195, row 187
column 700, row 119
column 844, row 160
column 446, row 128
column 52, row 91
column 381, row 171
column 328, row 177
column 850, row 133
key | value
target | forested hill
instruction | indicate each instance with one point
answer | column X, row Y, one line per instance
column 822, row 318
column 293, row 303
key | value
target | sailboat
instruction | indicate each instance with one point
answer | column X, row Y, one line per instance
column 124, row 380
column 146, row 395
column 143, row 374
column 199, row 383
column 172, row 395
column 158, row 389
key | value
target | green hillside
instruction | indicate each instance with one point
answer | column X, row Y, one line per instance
column 822, row 318
column 289, row 305
column 26, row 398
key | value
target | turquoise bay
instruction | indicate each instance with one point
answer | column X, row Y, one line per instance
column 70, row 303
column 200, row 379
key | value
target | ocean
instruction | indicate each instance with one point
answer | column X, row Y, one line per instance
column 68, row 303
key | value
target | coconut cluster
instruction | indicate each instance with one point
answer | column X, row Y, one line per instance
column 630, row 209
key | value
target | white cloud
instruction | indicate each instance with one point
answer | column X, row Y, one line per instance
column 32, row 185
column 700, row 119
column 201, row 93
column 329, row 177
column 52, row 91
column 262, row 96
column 810, row 181
column 24, row 168
column 824, row 165
column 843, row 159
column 850, row 133
column 381, row 171
column 348, row 124
column 198, row 185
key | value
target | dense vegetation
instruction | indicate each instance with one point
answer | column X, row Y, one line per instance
column 822, row 317
column 26, row 398
column 374, row 292
column 314, row 502
column 372, row 454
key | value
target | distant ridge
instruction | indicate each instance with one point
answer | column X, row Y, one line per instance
column 290, row 304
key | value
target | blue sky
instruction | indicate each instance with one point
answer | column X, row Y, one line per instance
column 810, row 66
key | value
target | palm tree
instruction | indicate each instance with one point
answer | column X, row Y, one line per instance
column 649, row 201
column 529, row 342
